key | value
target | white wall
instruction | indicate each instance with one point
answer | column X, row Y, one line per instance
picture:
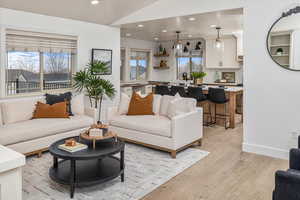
column 89, row 36
column 271, row 107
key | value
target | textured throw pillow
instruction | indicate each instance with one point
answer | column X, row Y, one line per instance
column 164, row 104
column 57, row 110
column 52, row 99
column 124, row 104
column 141, row 106
column 156, row 103
column 177, row 107
column 77, row 104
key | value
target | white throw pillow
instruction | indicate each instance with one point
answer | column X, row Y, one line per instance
column 18, row 110
column 164, row 104
column 156, row 103
column 190, row 103
column 77, row 104
column 176, row 107
column 124, row 104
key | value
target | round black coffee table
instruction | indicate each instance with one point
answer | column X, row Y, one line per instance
column 87, row 167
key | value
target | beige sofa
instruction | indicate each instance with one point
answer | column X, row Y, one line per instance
column 159, row 131
column 33, row 136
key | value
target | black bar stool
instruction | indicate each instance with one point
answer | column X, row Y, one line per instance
column 218, row 96
column 162, row 90
column 197, row 93
column 178, row 89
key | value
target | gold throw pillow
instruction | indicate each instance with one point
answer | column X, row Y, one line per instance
column 141, row 106
column 57, row 110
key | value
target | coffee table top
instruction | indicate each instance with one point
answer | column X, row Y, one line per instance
column 105, row 149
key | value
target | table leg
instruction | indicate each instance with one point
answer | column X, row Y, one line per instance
column 55, row 162
column 122, row 165
column 232, row 107
column 72, row 178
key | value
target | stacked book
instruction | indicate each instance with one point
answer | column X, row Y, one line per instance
column 72, row 149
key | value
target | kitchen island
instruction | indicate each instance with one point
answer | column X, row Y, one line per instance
column 233, row 93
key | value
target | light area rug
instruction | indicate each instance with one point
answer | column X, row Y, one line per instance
column 145, row 170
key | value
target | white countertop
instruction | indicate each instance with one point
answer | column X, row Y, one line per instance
column 10, row 159
column 227, row 88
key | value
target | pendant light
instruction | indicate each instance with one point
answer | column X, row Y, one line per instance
column 178, row 43
column 218, row 43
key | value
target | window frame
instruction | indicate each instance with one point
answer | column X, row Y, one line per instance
column 73, row 63
column 148, row 52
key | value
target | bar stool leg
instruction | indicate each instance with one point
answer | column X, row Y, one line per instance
column 206, row 115
column 215, row 117
column 225, row 115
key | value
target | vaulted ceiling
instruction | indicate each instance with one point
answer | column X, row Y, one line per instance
column 106, row 12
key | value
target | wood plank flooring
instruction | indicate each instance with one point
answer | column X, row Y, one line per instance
column 226, row 174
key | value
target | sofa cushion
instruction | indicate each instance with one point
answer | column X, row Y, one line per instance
column 153, row 124
column 18, row 110
column 37, row 128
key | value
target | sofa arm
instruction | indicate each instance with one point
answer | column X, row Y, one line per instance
column 111, row 112
column 287, row 184
column 91, row 112
column 187, row 128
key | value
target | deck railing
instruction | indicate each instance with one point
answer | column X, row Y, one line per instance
column 19, row 87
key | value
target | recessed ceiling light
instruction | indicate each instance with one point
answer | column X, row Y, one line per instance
column 128, row 34
column 164, row 31
column 94, row 2
column 156, row 38
column 213, row 26
column 140, row 25
column 190, row 36
column 192, row 18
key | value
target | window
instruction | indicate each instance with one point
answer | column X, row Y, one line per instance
column 139, row 62
column 189, row 63
column 37, row 63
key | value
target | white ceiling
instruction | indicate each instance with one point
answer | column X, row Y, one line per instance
column 230, row 20
column 106, row 12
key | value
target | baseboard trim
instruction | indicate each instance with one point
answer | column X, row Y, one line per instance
column 266, row 151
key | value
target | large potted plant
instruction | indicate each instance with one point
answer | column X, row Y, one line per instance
column 94, row 86
column 198, row 77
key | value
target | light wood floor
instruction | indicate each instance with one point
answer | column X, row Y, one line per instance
column 225, row 174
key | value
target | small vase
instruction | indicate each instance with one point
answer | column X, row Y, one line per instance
column 199, row 81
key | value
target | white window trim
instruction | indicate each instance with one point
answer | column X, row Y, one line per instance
column 149, row 67
column 3, row 66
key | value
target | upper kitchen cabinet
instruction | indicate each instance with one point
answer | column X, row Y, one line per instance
column 225, row 56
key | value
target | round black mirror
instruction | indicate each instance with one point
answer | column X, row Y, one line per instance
column 283, row 41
